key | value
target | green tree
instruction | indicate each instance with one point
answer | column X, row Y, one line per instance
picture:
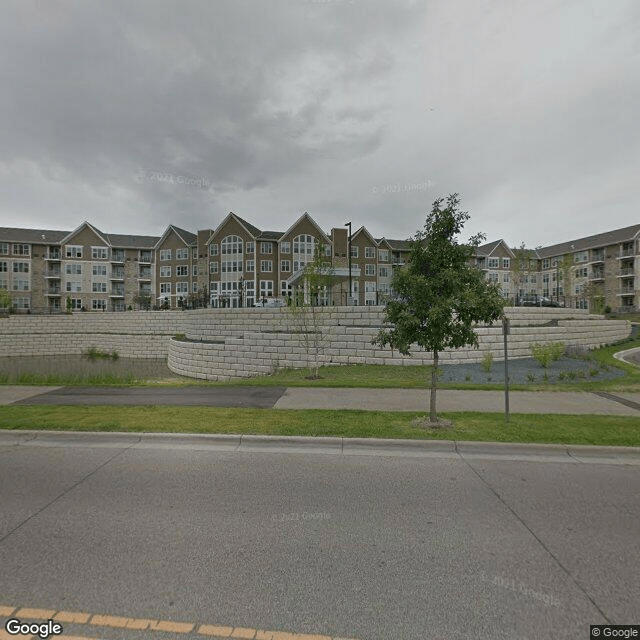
column 5, row 299
column 439, row 296
column 520, row 269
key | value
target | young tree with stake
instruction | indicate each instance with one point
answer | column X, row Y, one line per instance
column 439, row 296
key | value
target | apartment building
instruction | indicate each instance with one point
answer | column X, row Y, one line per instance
column 237, row 264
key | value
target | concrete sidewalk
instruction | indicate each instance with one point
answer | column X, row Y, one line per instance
column 569, row 402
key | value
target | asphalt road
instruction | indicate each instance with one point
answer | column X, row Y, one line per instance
column 380, row 547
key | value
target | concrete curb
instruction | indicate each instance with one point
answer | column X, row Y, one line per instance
column 573, row 454
column 621, row 355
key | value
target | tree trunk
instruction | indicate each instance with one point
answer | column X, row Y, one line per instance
column 434, row 381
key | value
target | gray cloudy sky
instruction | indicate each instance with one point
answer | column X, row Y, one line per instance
column 137, row 114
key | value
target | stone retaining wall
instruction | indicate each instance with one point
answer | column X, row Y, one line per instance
column 234, row 343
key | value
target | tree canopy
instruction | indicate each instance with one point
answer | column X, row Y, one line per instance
column 440, row 295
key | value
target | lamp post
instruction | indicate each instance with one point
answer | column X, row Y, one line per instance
column 348, row 224
column 241, row 290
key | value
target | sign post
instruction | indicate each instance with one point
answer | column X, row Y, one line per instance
column 505, row 332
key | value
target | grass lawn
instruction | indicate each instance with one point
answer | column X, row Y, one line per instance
column 593, row 430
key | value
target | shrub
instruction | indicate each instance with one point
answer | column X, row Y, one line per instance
column 593, row 372
column 93, row 353
column 545, row 354
column 562, row 375
column 607, row 309
column 487, row 361
column 531, row 377
column 180, row 336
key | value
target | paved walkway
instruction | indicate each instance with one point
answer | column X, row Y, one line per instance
column 601, row 403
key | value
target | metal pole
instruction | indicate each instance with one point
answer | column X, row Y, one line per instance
column 348, row 224
column 505, row 332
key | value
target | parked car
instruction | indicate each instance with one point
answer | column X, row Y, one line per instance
column 270, row 303
column 534, row 300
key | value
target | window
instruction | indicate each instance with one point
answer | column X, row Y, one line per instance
column 327, row 250
column 266, row 288
column 165, row 254
column 231, row 266
column 117, row 255
column 369, row 252
column 194, row 272
column 532, row 279
column 165, row 272
column 285, row 247
column 182, row 287
column 505, row 277
column 194, row 287
column 182, row 270
column 76, row 304
column 165, row 287
column 194, row 254
column 505, row 263
column 250, row 266
column 581, row 256
column 251, row 247
column 285, row 265
column 99, row 305
column 384, row 288
column 73, row 251
column 20, row 267
column 369, row 287
column 213, row 267
column 21, row 303
column 545, row 278
column 20, row 285
column 213, row 288
column 383, row 255
column 492, row 277
column 182, row 254
column 97, row 269
column 369, row 269
column 493, row 263
column 213, row 249
column 546, row 263
column 4, row 267
column 74, row 286
column 231, row 245
column 266, row 266
column 4, row 248
column 20, row 249
column 266, row 247
column 299, row 264
column 581, row 273
column 98, row 253
column 73, row 269
column 354, row 251
column 99, row 287
column 384, row 272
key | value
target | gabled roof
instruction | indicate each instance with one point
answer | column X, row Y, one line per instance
column 84, row 225
column 383, row 241
column 490, row 247
column 399, row 245
column 306, row 216
column 248, row 227
column 186, row 236
column 124, row 241
column 35, row 236
column 591, row 242
column 363, row 229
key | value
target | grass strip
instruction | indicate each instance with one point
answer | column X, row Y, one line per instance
column 490, row 427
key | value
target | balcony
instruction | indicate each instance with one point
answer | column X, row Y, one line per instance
column 117, row 256
column 52, row 255
column 626, row 272
column 596, row 275
column 145, row 291
column 145, row 274
column 626, row 253
column 117, row 292
column 53, row 291
column 145, row 257
column 117, row 274
column 52, row 273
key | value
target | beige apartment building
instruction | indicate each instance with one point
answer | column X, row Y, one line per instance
column 238, row 265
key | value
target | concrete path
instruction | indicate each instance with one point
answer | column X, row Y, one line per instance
column 630, row 356
column 580, row 403
column 568, row 402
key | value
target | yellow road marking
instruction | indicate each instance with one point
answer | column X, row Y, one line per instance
column 72, row 617
column 36, row 614
column 101, row 620
column 211, row 630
